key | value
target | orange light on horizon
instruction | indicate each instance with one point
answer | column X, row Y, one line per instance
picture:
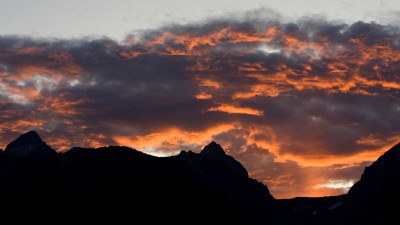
column 169, row 141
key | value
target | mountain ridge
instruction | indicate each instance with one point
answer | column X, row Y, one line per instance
column 86, row 181
column 178, row 187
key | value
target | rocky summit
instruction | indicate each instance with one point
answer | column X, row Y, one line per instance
column 28, row 144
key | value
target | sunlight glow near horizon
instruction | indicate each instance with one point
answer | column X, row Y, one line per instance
column 337, row 184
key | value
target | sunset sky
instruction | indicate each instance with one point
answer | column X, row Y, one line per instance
column 304, row 94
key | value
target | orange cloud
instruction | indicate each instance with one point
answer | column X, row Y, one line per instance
column 203, row 95
column 62, row 105
column 130, row 54
column 232, row 109
column 207, row 82
column 65, row 63
column 28, row 50
column 171, row 140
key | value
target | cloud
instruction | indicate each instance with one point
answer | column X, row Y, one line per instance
column 302, row 104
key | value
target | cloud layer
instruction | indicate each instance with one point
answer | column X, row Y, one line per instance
column 304, row 106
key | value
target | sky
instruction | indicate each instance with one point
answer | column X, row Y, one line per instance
column 304, row 94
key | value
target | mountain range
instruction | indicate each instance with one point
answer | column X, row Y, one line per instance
column 118, row 184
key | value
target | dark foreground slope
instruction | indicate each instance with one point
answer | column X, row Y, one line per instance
column 122, row 185
column 373, row 200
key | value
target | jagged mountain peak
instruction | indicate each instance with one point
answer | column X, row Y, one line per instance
column 213, row 150
column 30, row 135
column 28, row 144
column 214, row 158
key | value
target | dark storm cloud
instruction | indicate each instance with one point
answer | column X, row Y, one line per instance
column 294, row 97
column 330, row 123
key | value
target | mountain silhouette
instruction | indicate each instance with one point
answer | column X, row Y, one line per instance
column 229, row 178
column 28, row 144
column 117, row 184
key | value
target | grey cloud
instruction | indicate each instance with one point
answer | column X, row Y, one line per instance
column 335, row 85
